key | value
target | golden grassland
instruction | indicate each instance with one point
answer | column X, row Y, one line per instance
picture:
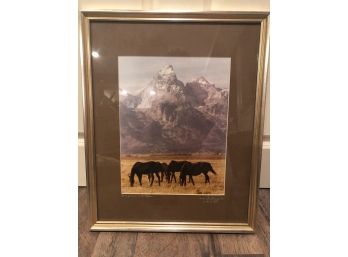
column 216, row 186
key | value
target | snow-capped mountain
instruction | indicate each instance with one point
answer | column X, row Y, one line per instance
column 200, row 92
column 170, row 117
column 163, row 87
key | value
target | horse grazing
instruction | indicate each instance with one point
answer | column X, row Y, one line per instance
column 174, row 166
column 195, row 169
column 163, row 172
column 146, row 168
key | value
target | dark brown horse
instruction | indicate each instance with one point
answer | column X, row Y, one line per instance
column 146, row 168
column 174, row 166
column 163, row 172
column 195, row 169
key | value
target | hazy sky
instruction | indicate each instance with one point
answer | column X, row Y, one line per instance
column 136, row 72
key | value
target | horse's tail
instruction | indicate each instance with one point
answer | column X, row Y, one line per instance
column 212, row 170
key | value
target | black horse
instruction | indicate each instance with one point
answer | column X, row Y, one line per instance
column 146, row 168
column 174, row 166
column 163, row 172
column 195, row 169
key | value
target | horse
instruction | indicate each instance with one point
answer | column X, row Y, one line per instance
column 174, row 166
column 163, row 172
column 146, row 168
column 195, row 169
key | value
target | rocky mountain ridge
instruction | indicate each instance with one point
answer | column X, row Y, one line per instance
column 170, row 117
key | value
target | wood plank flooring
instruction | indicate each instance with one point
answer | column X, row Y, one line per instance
column 132, row 244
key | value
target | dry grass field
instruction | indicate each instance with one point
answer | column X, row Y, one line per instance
column 216, row 186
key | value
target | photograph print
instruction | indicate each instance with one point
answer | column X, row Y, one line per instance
column 173, row 124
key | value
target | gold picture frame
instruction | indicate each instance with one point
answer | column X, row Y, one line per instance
column 98, row 223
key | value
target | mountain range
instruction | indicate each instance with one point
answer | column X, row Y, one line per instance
column 170, row 117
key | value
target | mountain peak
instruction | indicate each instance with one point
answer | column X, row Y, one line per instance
column 166, row 73
column 166, row 80
column 167, row 69
column 201, row 80
column 163, row 87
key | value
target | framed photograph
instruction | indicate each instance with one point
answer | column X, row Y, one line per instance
column 174, row 106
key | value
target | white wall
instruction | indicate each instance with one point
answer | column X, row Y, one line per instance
column 195, row 5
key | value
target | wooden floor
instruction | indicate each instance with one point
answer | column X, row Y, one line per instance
column 119, row 244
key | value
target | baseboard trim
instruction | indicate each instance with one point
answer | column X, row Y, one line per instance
column 82, row 165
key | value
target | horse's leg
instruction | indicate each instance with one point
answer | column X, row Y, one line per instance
column 167, row 177
column 162, row 175
column 206, row 178
column 158, row 177
column 191, row 178
column 173, row 177
column 152, row 178
column 140, row 177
